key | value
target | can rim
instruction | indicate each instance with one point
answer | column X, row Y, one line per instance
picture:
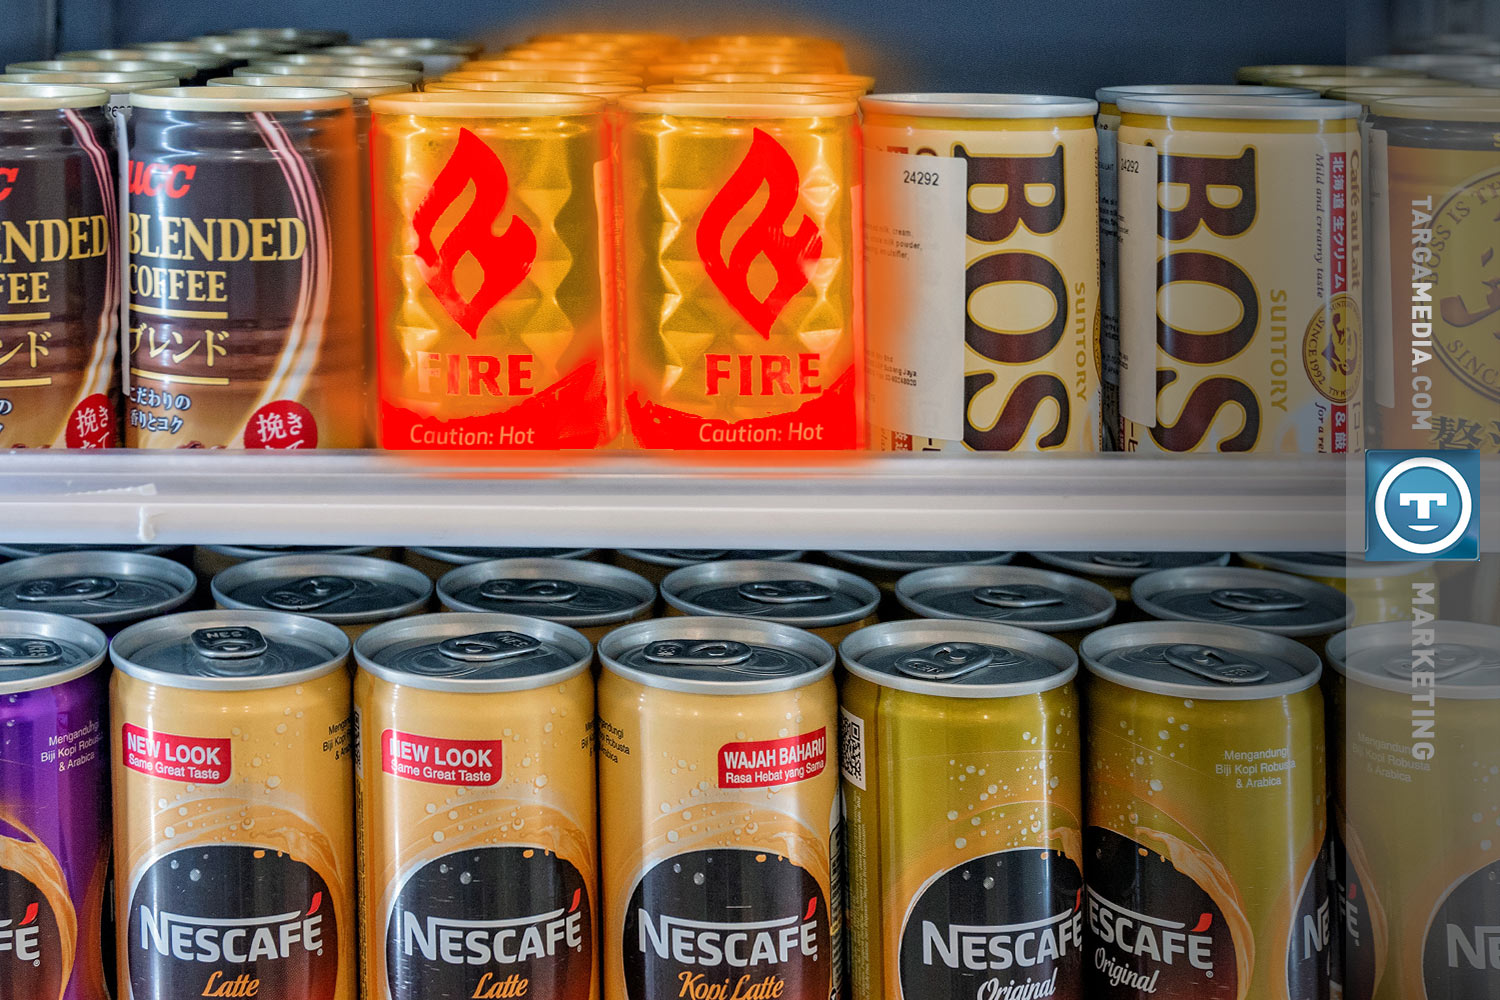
column 664, row 557
column 866, row 640
column 433, row 44
column 1337, row 649
column 52, row 626
column 1479, row 108
column 1335, row 80
column 1112, row 94
column 851, row 80
column 1349, row 569
column 229, row 579
column 748, row 570
column 1255, row 74
column 1144, row 591
column 1421, row 62
column 571, row 570
column 961, row 105
column 259, row 552
column 455, row 557
column 743, row 105
column 130, row 641
column 1312, row 110
column 759, row 87
column 261, row 68
column 239, row 99
column 800, row 641
column 49, row 97
column 909, row 593
column 115, row 83
column 157, row 67
column 345, row 59
column 102, row 562
column 479, row 104
column 1081, row 562
column 607, row 91
column 540, row 76
column 358, row 87
column 1112, row 637
column 193, row 58
column 867, row 559
column 452, row 624
column 1368, row 96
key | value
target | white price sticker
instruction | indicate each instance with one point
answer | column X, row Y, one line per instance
column 1136, row 168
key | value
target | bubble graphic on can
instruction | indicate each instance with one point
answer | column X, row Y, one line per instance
column 234, row 789
column 54, row 807
column 477, row 826
column 720, row 795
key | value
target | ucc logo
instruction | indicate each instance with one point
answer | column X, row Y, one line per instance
column 770, row 164
column 504, row 260
column 1422, row 505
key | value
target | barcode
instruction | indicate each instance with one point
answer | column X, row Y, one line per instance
column 852, row 748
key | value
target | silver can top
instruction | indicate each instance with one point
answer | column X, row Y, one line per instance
column 1464, row 657
column 567, row 591
column 473, row 653
column 230, row 650
column 1200, row 660
column 1016, row 595
column 474, row 554
column 677, row 558
column 18, row 551
column 344, row 590
column 1127, row 565
column 104, row 588
column 267, row 551
column 958, row 659
column 1335, row 565
column 798, row 594
column 40, row 650
column 716, row 655
column 913, row 559
column 1232, row 595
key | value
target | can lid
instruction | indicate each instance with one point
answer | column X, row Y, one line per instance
column 1329, row 83
column 1464, row 658
column 196, row 58
column 39, row 650
column 608, row 91
column 15, row 551
column 914, row 559
column 569, row 591
column 1127, row 565
column 798, row 594
column 1255, row 74
column 443, row 45
column 343, row 59
column 411, row 76
column 344, row 590
column 1426, row 62
column 115, row 83
column 473, row 554
column 218, row 42
column 358, row 87
column 299, row 36
column 677, row 558
column 1016, row 595
column 856, row 81
column 959, row 659
column 716, row 655
column 267, row 551
column 473, row 653
column 1200, row 660
column 1233, row 595
column 241, row 99
column 1368, row 95
column 156, row 67
column 230, row 650
column 1334, row 565
column 542, row 76
column 486, row 104
column 1242, row 110
column 41, row 97
column 1112, row 95
column 1478, row 108
column 99, row 587
column 998, row 106
column 702, row 105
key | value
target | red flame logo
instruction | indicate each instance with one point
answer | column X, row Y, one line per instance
column 504, row 260
column 770, row 164
column 812, row 907
column 30, row 915
column 1205, row 921
column 317, row 901
column 577, row 898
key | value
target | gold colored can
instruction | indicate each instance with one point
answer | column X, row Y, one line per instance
column 828, row 602
column 478, row 848
column 437, row 561
column 719, row 792
column 234, row 805
column 983, row 256
column 1205, row 854
column 591, row 597
column 1380, row 592
column 356, row 593
column 768, row 87
column 963, row 795
column 741, row 334
column 494, row 325
column 1062, row 606
column 1416, row 806
column 608, row 91
column 1240, row 325
column 528, row 74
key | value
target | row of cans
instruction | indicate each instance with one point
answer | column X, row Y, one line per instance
column 1161, row 826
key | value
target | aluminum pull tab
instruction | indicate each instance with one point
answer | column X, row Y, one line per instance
column 529, row 591
column 1214, row 664
column 311, row 593
column 1121, row 560
column 229, row 642
column 16, row 651
column 1449, row 660
column 487, row 647
column 784, row 591
column 698, row 652
column 1257, row 600
column 945, row 661
column 66, row 588
column 1018, row 596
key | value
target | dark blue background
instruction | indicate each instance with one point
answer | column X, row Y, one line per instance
column 1058, row 46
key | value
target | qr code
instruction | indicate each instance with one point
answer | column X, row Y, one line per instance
column 852, row 748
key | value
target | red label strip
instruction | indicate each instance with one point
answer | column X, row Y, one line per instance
column 763, row 763
column 189, row 759
column 474, row 763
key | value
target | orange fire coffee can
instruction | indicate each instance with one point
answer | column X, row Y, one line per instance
column 494, row 318
column 742, row 270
